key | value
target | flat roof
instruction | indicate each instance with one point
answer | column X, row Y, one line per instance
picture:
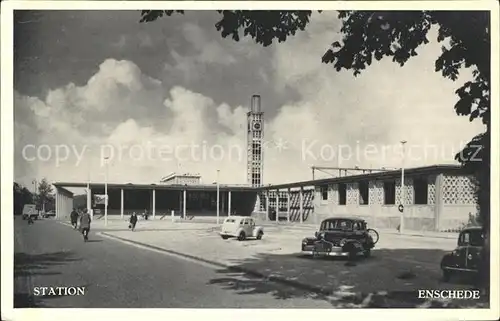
column 178, row 187
column 390, row 174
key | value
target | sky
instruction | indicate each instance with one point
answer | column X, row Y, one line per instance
column 172, row 96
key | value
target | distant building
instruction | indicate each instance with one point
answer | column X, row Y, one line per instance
column 181, row 179
column 436, row 198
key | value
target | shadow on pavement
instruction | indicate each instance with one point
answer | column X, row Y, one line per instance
column 25, row 300
column 32, row 264
column 389, row 278
column 27, row 265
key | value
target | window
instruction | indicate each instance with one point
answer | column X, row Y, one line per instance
column 324, row 193
column 420, row 187
column 363, row 192
column 472, row 238
column 246, row 222
column 336, row 224
column 342, row 193
column 390, row 193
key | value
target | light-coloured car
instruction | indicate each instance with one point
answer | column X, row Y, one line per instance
column 49, row 214
column 29, row 210
column 241, row 227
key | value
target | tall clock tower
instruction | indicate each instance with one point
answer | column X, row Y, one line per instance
column 255, row 135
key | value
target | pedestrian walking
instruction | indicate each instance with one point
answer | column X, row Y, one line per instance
column 85, row 221
column 133, row 221
column 74, row 218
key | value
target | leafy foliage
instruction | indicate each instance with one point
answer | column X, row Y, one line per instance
column 152, row 15
column 263, row 26
column 44, row 191
column 369, row 35
column 22, row 196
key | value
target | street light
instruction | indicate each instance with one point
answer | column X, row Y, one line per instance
column 35, row 185
column 89, row 196
column 106, row 192
column 403, row 195
column 218, row 196
column 34, row 182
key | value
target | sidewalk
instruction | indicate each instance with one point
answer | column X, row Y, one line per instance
column 306, row 227
column 115, row 222
column 374, row 282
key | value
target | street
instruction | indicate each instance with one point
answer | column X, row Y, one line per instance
column 122, row 276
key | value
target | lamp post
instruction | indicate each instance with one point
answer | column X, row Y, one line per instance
column 89, row 196
column 35, row 185
column 106, row 191
column 402, row 195
column 217, row 196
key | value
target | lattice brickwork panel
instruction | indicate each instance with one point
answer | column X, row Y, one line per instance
column 282, row 200
column 408, row 190
column 308, row 198
column 376, row 191
column 333, row 194
column 431, row 190
column 458, row 190
column 262, row 201
column 352, row 194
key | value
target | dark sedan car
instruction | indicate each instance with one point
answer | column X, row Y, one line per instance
column 466, row 257
column 341, row 236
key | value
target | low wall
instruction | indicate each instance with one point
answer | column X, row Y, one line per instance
column 416, row 217
column 454, row 217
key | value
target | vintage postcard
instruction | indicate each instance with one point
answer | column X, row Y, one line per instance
column 189, row 159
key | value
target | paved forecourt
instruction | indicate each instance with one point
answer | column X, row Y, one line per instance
column 400, row 264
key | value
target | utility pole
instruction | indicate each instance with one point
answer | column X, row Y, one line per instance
column 218, row 196
column 403, row 194
column 106, row 192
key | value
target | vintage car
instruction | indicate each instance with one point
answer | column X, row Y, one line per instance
column 241, row 227
column 49, row 214
column 341, row 236
column 30, row 211
column 466, row 257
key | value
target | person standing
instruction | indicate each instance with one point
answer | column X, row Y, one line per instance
column 74, row 218
column 85, row 221
column 133, row 221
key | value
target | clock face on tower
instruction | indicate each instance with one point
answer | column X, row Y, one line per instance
column 256, row 125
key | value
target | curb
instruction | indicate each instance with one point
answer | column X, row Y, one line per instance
column 232, row 268
column 448, row 237
column 306, row 228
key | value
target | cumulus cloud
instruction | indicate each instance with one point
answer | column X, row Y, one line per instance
column 148, row 132
column 205, row 52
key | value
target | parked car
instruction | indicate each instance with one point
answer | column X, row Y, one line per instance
column 49, row 214
column 241, row 227
column 341, row 236
column 29, row 210
column 466, row 257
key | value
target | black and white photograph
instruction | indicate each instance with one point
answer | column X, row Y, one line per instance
column 327, row 157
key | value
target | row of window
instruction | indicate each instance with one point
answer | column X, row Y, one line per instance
column 419, row 187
